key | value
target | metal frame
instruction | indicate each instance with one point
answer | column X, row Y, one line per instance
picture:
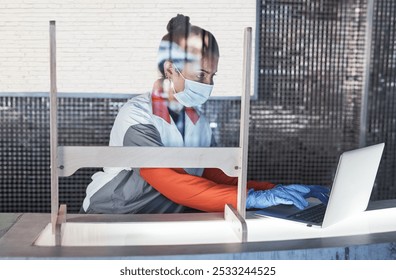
column 53, row 129
column 244, row 125
column 367, row 63
column 232, row 161
column 71, row 158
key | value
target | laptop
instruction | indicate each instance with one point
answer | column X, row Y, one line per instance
column 350, row 193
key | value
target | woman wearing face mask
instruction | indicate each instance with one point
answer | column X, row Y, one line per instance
column 169, row 116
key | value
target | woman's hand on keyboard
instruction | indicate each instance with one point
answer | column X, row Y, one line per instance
column 280, row 194
column 319, row 192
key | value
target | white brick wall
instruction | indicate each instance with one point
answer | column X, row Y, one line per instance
column 110, row 46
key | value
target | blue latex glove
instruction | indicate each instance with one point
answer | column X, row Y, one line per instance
column 319, row 192
column 290, row 194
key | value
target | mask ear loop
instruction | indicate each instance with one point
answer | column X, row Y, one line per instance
column 177, row 69
column 169, row 83
column 174, row 105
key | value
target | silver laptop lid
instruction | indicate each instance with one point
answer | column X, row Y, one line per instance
column 353, row 183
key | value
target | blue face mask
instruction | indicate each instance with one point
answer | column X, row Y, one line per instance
column 194, row 93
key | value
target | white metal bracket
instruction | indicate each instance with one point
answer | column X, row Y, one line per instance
column 60, row 222
column 237, row 222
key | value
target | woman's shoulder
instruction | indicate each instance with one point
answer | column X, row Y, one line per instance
column 141, row 102
column 138, row 108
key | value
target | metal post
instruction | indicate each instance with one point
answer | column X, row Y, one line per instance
column 366, row 78
column 244, row 130
column 53, row 129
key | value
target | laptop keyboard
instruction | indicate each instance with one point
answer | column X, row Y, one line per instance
column 314, row 214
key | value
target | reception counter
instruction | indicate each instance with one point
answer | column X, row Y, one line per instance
column 371, row 235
